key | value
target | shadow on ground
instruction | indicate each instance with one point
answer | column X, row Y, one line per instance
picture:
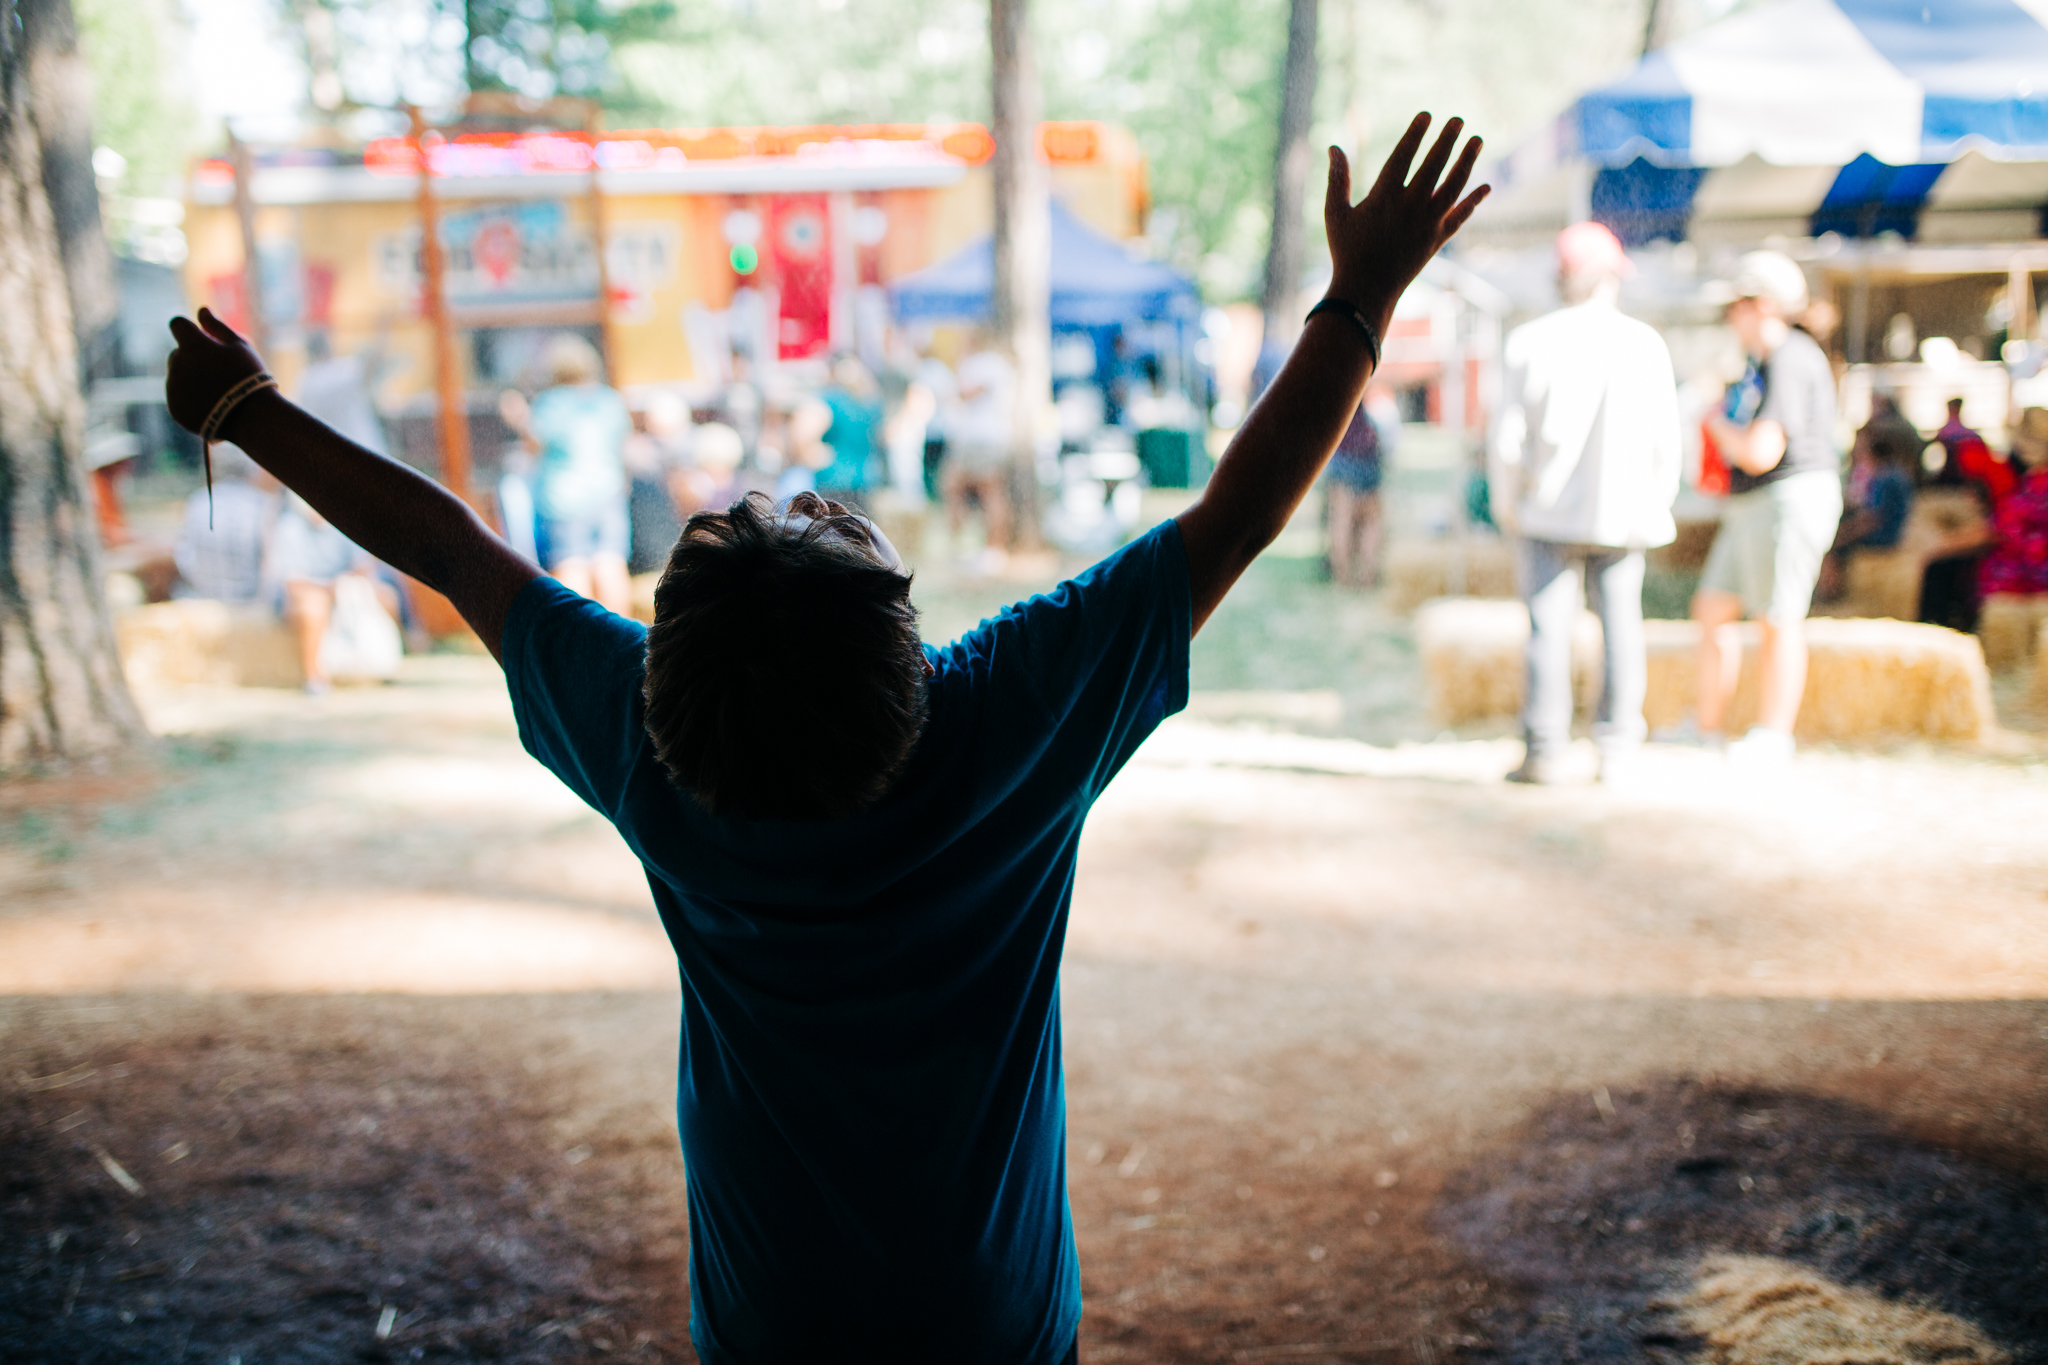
column 322, row 1179
column 1597, row 1212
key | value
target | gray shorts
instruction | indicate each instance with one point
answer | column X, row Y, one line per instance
column 1771, row 543
column 978, row 459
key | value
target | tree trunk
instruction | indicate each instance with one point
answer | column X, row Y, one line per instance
column 1657, row 19
column 1281, row 301
column 60, row 97
column 1023, row 248
column 61, row 692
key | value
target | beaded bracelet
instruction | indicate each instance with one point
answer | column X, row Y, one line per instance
column 209, row 430
column 1357, row 319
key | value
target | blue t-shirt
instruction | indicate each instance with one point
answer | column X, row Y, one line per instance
column 852, row 438
column 871, row 1101
column 1890, row 497
column 581, row 430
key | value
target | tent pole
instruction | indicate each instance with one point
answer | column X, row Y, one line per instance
column 454, row 412
column 2019, row 293
column 601, row 243
column 245, row 220
column 1859, row 310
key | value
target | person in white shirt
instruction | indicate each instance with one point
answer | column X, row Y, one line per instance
column 978, row 432
column 340, row 390
column 1583, row 468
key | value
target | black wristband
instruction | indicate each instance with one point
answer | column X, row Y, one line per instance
column 1357, row 319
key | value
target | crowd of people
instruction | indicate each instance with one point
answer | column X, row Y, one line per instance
column 1997, row 541
column 1584, row 466
column 595, row 485
column 247, row 540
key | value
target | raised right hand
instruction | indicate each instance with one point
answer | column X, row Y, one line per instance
column 1379, row 245
column 210, row 359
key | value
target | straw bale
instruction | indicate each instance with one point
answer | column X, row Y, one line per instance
column 2039, row 696
column 1865, row 679
column 1884, row 583
column 2009, row 626
column 903, row 521
column 1940, row 512
column 1418, row 570
column 1758, row 1310
column 643, row 597
column 1473, row 658
column 193, row 640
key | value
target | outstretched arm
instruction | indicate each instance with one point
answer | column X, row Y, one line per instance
column 1377, row 247
column 397, row 514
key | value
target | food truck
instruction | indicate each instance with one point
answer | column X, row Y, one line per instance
column 668, row 248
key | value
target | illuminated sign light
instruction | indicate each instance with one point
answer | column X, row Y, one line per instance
column 494, row 154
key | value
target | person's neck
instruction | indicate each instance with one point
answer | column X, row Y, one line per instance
column 1770, row 336
column 1604, row 292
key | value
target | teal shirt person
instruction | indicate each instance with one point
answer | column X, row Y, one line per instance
column 581, row 431
column 871, row 1100
column 852, row 438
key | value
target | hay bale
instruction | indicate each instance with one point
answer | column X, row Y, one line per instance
column 2038, row 696
column 1865, row 680
column 2009, row 626
column 1886, row 583
column 194, row 640
column 903, row 521
column 1883, row 584
column 1416, row 571
column 1473, row 658
column 644, row 585
column 1758, row 1310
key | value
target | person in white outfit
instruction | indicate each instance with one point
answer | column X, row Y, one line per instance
column 1583, row 468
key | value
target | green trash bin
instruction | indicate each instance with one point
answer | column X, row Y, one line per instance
column 1169, row 457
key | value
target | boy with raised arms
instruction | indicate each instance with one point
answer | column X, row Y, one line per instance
column 861, row 845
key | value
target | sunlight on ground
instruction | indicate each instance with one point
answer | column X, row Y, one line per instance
column 395, row 839
column 436, row 945
column 1845, row 877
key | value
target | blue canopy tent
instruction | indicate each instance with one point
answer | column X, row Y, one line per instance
column 1095, row 283
column 1926, row 118
column 1098, row 289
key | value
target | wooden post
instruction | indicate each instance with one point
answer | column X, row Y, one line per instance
column 245, row 217
column 1021, row 308
column 2019, row 293
column 448, row 386
column 1280, row 301
column 601, row 241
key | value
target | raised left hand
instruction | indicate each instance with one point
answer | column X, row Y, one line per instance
column 1380, row 244
column 211, row 358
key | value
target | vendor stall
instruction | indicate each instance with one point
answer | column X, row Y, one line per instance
column 1900, row 151
column 1130, row 323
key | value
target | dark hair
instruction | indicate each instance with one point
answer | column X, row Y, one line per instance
column 785, row 679
column 1893, row 441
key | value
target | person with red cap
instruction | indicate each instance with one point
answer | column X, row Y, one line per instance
column 1583, row 467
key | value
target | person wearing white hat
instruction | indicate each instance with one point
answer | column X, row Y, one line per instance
column 1776, row 430
column 1583, row 468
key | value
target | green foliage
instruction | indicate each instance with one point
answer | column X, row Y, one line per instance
column 811, row 61
column 555, row 47
column 134, row 48
column 1196, row 80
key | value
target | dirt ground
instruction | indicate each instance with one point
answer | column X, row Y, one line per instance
column 343, row 1033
